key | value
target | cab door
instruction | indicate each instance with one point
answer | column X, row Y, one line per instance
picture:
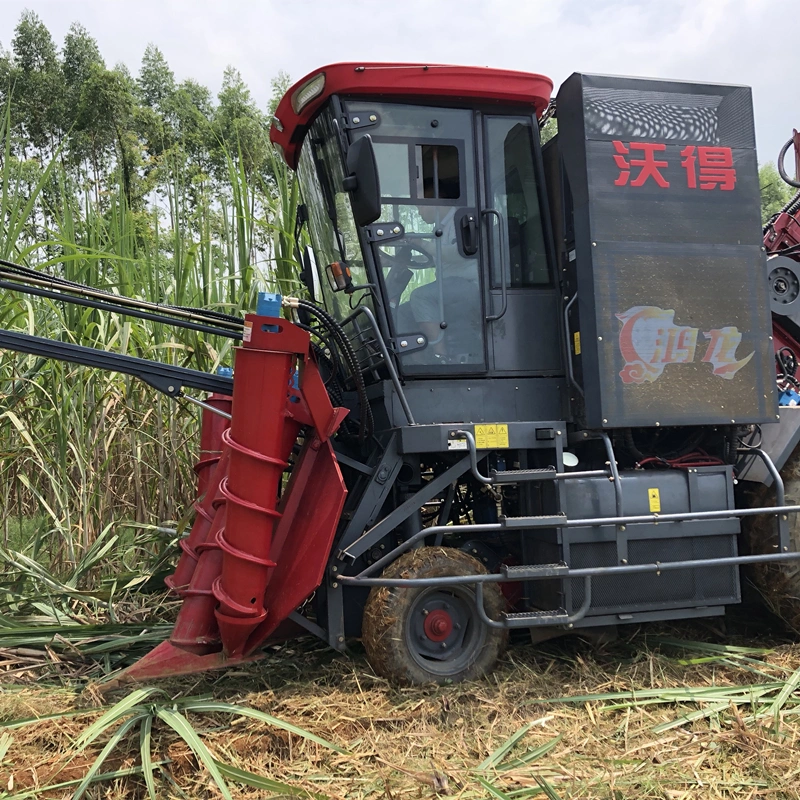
column 523, row 321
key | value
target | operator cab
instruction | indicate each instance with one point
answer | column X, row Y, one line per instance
column 424, row 197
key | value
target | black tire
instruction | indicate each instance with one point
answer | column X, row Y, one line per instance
column 778, row 582
column 432, row 634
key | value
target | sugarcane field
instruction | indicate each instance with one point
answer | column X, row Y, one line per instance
column 378, row 425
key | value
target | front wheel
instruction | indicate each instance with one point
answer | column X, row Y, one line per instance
column 432, row 633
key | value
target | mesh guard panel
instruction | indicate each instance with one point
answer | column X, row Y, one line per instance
column 671, row 277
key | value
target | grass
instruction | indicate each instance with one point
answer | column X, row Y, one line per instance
column 656, row 714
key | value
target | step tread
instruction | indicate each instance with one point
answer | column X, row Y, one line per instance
column 558, row 614
column 525, row 570
column 522, row 475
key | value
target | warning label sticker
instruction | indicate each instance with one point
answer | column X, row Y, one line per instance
column 576, row 338
column 493, row 436
column 655, row 501
column 247, row 334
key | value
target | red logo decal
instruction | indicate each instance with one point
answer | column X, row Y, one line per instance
column 650, row 339
column 715, row 163
column 648, row 166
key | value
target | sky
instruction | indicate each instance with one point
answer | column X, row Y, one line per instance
column 718, row 41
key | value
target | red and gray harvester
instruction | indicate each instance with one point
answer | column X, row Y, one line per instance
column 541, row 386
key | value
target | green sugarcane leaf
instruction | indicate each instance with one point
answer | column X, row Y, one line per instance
column 181, row 726
column 779, row 702
column 532, row 755
column 260, row 782
column 229, row 708
column 493, row 790
column 147, row 761
column 104, row 754
column 114, row 715
column 495, row 757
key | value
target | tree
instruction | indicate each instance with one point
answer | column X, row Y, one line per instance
column 774, row 192
column 37, row 84
column 156, row 82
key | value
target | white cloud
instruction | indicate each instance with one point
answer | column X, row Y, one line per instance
column 724, row 41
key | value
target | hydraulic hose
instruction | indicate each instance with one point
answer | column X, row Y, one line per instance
column 348, row 355
column 25, row 275
column 781, row 170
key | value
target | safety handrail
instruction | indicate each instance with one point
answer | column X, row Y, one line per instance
column 503, row 264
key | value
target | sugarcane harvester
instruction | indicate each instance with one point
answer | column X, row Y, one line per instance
column 526, row 387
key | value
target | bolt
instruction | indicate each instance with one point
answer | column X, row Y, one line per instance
column 733, row 420
column 594, row 244
column 404, row 343
column 622, row 527
column 383, row 547
column 457, row 626
column 420, row 340
column 657, row 424
column 356, row 120
column 425, row 612
column 373, row 118
column 444, row 645
column 379, row 231
column 170, row 388
column 340, row 639
column 334, row 569
column 599, row 338
column 396, row 229
column 623, row 561
column 605, row 420
column 335, row 585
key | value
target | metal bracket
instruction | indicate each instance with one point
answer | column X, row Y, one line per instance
column 380, row 232
column 409, row 343
column 363, row 119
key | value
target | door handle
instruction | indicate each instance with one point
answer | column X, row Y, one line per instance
column 503, row 265
column 469, row 233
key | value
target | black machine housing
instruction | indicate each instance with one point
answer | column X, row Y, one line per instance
column 616, row 341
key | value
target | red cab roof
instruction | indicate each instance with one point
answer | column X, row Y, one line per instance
column 407, row 81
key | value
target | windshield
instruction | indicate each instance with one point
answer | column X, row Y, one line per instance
column 334, row 236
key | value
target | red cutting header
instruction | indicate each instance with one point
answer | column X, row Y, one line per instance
column 421, row 82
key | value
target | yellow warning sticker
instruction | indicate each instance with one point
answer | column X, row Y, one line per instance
column 493, row 436
column 576, row 338
column 655, row 501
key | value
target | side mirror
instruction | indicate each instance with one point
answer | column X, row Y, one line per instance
column 362, row 181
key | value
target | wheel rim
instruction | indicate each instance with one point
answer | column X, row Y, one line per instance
column 443, row 632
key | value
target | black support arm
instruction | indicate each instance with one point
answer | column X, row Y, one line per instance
column 166, row 378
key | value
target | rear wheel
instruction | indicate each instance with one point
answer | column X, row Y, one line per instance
column 778, row 582
column 432, row 633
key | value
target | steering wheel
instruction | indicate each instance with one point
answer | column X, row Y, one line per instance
column 406, row 256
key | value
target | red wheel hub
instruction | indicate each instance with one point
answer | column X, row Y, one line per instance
column 438, row 625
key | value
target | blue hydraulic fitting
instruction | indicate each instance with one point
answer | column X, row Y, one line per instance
column 789, row 397
column 268, row 304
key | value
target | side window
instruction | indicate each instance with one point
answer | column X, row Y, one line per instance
column 413, row 169
column 438, row 174
column 513, row 192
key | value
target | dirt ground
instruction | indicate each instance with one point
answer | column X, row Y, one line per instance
column 424, row 742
